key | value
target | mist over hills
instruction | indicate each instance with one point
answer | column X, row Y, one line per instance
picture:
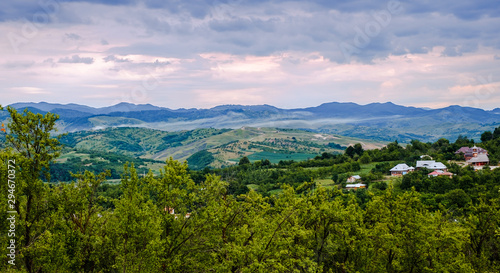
column 381, row 121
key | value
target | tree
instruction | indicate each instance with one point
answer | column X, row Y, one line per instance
column 350, row 151
column 408, row 238
column 358, row 149
column 134, row 228
column 365, row 159
column 337, row 232
column 463, row 141
column 496, row 133
column 244, row 161
column 74, row 243
column 29, row 136
column 488, row 135
column 483, row 244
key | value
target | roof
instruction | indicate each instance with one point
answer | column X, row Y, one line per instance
column 355, row 185
column 467, row 150
column 356, row 177
column 440, row 172
column 401, row 168
column 462, row 150
column 431, row 164
column 479, row 158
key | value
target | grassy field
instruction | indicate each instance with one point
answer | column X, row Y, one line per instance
column 366, row 168
column 326, row 183
column 73, row 154
column 273, row 192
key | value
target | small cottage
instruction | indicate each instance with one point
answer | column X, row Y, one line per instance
column 401, row 169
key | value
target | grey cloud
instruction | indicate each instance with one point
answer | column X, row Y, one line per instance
column 452, row 52
column 159, row 63
column 16, row 10
column 75, row 59
column 411, row 32
column 496, row 57
column 156, row 23
column 465, row 10
column 145, row 65
column 49, row 61
column 113, row 58
column 72, row 36
column 21, row 64
column 244, row 24
column 263, row 27
column 106, row 2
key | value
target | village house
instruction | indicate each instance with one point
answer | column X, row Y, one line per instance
column 479, row 160
column 431, row 165
column 355, row 186
column 471, row 152
column 401, row 169
column 440, row 173
column 353, row 178
column 475, row 156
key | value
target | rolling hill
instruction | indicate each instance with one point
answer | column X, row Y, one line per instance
column 223, row 146
column 380, row 121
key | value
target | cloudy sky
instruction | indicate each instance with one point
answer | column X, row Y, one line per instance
column 203, row 53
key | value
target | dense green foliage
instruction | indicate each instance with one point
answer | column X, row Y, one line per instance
column 208, row 221
column 134, row 141
column 200, row 160
column 95, row 162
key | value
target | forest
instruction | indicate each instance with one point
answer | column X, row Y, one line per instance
column 210, row 220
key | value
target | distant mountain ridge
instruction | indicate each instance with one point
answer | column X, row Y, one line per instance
column 353, row 109
column 54, row 107
column 382, row 121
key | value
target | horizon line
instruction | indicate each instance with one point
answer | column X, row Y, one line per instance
column 249, row 105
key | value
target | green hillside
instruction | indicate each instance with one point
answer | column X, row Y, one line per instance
column 280, row 145
column 79, row 161
column 222, row 147
column 139, row 142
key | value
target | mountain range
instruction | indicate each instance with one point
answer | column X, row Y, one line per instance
column 381, row 121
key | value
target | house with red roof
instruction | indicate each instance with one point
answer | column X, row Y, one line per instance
column 440, row 173
column 475, row 156
column 479, row 160
column 471, row 152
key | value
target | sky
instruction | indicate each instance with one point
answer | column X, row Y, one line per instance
column 290, row 54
